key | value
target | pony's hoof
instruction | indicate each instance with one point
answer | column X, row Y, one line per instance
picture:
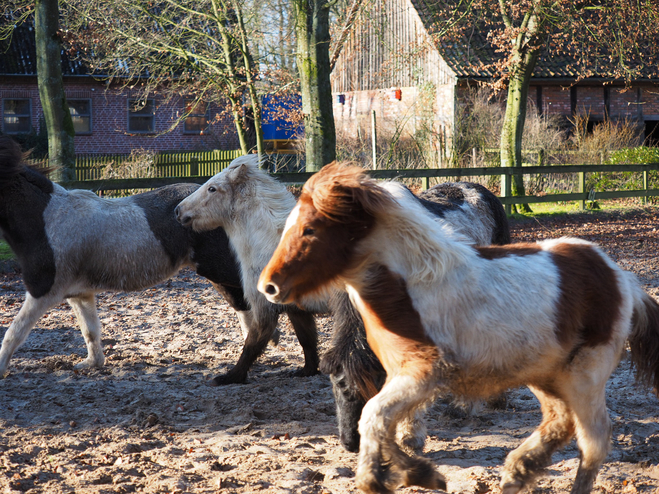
column 89, row 363
column 423, row 474
column 225, row 379
column 511, row 487
column 304, row 372
column 372, row 485
column 411, row 440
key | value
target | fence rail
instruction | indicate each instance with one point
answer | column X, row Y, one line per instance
column 184, row 164
column 425, row 174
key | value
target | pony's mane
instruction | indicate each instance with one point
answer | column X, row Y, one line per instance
column 11, row 160
column 338, row 188
column 271, row 192
column 12, row 163
column 342, row 191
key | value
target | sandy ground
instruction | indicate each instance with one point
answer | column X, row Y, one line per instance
column 148, row 422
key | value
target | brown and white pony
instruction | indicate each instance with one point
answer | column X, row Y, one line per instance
column 445, row 316
column 253, row 207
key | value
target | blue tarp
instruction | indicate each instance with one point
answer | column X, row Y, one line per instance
column 275, row 124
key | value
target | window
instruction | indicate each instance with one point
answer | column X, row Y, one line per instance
column 651, row 133
column 16, row 115
column 81, row 114
column 197, row 120
column 141, row 116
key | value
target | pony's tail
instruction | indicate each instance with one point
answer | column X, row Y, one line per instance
column 644, row 340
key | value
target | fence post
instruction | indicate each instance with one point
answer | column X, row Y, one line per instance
column 506, row 191
column 645, row 187
column 473, row 157
column 541, row 157
column 582, row 188
column 374, row 140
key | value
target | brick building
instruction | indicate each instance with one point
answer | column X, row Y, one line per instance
column 105, row 117
column 390, row 64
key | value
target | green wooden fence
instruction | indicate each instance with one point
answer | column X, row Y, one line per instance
column 581, row 195
column 183, row 164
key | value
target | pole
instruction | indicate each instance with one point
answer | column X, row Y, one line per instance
column 374, row 140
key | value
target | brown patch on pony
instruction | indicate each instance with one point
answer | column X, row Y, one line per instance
column 590, row 297
column 497, row 252
column 338, row 206
column 393, row 326
column 302, row 263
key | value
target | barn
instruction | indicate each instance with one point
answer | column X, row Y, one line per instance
column 390, row 64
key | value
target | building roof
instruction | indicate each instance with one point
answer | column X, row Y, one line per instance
column 18, row 55
column 472, row 57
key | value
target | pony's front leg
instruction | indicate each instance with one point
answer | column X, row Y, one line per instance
column 27, row 317
column 382, row 466
column 262, row 329
column 84, row 308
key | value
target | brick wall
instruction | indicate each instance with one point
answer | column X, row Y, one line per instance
column 110, row 119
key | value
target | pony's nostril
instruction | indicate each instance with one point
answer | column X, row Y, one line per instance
column 271, row 289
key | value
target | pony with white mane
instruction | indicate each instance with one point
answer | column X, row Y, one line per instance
column 232, row 200
column 73, row 244
column 445, row 316
column 252, row 207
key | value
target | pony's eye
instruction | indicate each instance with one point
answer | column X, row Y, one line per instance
column 308, row 231
column 211, row 189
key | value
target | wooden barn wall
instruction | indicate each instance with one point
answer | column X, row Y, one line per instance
column 389, row 47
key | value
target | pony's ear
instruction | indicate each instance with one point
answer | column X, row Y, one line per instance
column 240, row 175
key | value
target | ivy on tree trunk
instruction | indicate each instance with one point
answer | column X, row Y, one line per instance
column 313, row 39
column 61, row 151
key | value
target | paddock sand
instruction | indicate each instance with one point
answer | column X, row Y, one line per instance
column 147, row 422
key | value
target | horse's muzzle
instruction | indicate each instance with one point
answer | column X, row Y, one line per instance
column 183, row 219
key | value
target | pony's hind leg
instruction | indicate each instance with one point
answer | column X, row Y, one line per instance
column 304, row 326
column 593, row 426
column 556, row 430
column 382, row 466
column 27, row 317
column 594, row 440
column 84, row 308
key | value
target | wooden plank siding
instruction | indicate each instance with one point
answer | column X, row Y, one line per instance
column 389, row 47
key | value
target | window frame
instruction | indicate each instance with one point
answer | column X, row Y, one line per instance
column 89, row 115
column 22, row 115
column 206, row 115
column 131, row 113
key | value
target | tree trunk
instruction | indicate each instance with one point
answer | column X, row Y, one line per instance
column 524, row 58
column 514, row 120
column 61, row 151
column 248, row 62
column 313, row 39
column 239, row 121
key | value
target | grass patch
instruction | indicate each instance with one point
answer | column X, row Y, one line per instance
column 551, row 209
column 5, row 252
